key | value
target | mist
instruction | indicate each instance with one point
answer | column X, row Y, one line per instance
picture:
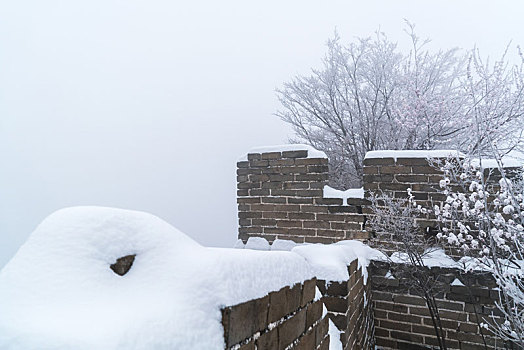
column 147, row 105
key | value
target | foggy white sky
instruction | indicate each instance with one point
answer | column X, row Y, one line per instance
column 148, row 104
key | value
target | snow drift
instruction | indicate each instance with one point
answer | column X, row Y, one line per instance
column 59, row 292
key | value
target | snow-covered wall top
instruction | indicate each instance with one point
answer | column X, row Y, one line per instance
column 311, row 151
column 413, row 154
column 505, row 162
column 59, row 292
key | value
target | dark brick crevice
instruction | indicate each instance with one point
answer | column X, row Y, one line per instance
column 123, row 264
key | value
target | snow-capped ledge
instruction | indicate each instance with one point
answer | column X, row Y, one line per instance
column 59, row 292
column 413, row 154
column 311, row 151
column 330, row 192
column 505, row 162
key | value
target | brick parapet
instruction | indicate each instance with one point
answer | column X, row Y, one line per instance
column 290, row 318
column 349, row 307
column 393, row 177
column 402, row 319
column 280, row 195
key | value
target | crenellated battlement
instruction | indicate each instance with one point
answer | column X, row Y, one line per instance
column 284, row 195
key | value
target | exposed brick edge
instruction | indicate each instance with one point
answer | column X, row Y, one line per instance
column 286, row 319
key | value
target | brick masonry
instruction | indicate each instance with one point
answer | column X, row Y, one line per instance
column 290, row 318
column 402, row 319
column 280, row 196
column 349, row 307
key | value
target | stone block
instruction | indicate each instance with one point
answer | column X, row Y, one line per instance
column 270, row 155
column 281, row 162
column 314, row 313
column 253, row 156
column 395, row 170
column 268, row 340
column 259, row 163
column 294, row 154
column 311, row 161
column 425, row 170
column 289, row 223
column 330, row 233
column 248, row 346
column 316, row 224
column 378, row 161
column 312, row 169
column 343, row 209
column 336, row 304
column 322, row 330
column 244, row 319
column 412, row 161
column 308, row 291
column 284, row 302
column 306, row 342
column 291, row 329
column 302, row 232
column 335, row 288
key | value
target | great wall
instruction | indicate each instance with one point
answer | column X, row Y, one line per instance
column 281, row 196
column 308, row 271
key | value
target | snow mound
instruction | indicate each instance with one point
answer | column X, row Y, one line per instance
column 59, row 292
column 283, row 244
column 311, row 151
column 257, row 243
column 239, row 244
column 330, row 261
column 413, row 154
column 330, row 192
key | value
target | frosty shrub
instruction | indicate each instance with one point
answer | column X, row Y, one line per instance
column 397, row 217
column 483, row 216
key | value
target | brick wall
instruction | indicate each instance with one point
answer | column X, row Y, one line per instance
column 280, row 195
column 291, row 318
column 393, row 176
column 402, row 319
column 286, row 319
column 349, row 307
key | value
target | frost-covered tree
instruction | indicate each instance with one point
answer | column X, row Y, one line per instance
column 369, row 95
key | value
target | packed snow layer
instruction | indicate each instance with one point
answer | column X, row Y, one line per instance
column 413, row 154
column 311, row 151
column 330, row 261
column 506, row 162
column 58, row 292
column 330, row 192
column 435, row 257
